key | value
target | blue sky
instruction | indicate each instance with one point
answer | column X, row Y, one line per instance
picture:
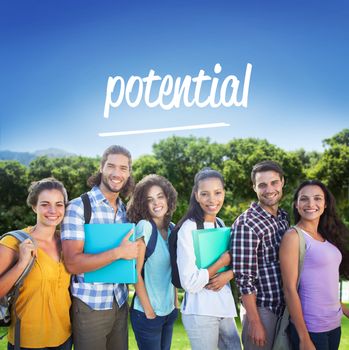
column 56, row 57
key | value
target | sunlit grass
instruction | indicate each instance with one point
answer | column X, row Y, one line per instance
column 180, row 340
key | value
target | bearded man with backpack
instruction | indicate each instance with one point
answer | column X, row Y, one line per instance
column 100, row 310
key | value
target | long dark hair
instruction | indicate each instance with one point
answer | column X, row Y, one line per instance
column 96, row 179
column 195, row 212
column 330, row 226
column 137, row 207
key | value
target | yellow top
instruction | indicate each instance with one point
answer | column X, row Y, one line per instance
column 43, row 303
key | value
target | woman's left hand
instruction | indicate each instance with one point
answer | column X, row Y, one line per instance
column 219, row 280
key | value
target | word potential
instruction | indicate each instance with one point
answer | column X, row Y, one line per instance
column 178, row 89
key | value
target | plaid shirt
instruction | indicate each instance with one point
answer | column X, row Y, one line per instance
column 256, row 236
column 99, row 296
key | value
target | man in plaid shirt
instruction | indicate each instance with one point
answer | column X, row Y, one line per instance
column 100, row 310
column 256, row 236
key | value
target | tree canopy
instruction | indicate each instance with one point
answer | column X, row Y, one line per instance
column 179, row 159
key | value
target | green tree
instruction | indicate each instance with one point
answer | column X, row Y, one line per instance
column 333, row 170
column 72, row 171
column 241, row 156
column 14, row 212
column 145, row 165
column 179, row 159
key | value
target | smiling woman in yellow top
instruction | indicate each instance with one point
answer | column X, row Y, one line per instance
column 44, row 301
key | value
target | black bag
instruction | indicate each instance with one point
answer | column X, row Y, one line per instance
column 172, row 246
column 9, row 300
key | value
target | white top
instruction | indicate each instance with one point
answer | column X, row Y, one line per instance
column 198, row 300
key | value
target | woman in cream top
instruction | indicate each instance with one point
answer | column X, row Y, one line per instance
column 208, row 307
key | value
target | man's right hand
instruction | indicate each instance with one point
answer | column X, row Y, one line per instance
column 257, row 333
column 128, row 250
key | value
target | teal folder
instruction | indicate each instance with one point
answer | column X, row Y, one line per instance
column 102, row 237
column 209, row 245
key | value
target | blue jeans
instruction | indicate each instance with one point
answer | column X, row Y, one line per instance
column 154, row 334
column 65, row 346
column 210, row 332
column 322, row 341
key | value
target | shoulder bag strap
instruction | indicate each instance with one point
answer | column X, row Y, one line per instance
column 301, row 249
column 301, row 252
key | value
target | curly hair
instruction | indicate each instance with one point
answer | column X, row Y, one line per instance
column 195, row 212
column 137, row 207
column 330, row 226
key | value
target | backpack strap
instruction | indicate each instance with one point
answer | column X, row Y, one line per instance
column 152, row 242
column 87, row 207
column 14, row 293
column 22, row 236
column 149, row 250
column 218, row 222
column 199, row 225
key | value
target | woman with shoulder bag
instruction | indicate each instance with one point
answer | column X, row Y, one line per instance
column 315, row 309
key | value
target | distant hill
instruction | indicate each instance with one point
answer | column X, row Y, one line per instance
column 26, row 157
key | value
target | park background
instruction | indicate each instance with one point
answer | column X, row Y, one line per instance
column 56, row 58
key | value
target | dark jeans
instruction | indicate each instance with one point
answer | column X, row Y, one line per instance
column 65, row 346
column 100, row 329
column 155, row 334
column 322, row 341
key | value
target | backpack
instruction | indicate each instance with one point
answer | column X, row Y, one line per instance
column 87, row 207
column 149, row 250
column 172, row 245
column 9, row 300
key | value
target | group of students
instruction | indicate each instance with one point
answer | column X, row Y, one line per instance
column 99, row 312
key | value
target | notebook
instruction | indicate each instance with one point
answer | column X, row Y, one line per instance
column 102, row 237
column 209, row 245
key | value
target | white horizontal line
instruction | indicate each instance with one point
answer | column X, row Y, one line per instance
column 175, row 128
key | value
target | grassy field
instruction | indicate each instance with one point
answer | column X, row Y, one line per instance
column 180, row 340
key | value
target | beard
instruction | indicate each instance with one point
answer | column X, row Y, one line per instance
column 270, row 202
column 104, row 180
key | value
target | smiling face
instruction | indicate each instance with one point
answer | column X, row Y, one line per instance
column 210, row 196
column 311, row 202
column 268, row 187
column 115, row 173
column 50, row 208
column 157, row 203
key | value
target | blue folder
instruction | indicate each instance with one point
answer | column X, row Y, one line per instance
column 209, row 245
column 102, row 237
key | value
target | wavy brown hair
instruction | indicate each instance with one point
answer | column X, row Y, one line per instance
column 48, row 183
column 330, row 226
column 137, row 207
